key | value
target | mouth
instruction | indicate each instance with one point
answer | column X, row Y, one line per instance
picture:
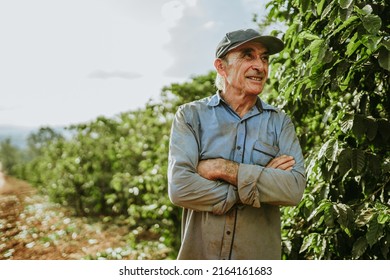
column 255, row 78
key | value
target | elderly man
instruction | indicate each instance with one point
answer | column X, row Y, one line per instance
column 234, row 160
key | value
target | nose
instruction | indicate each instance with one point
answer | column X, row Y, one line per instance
column 258, row 64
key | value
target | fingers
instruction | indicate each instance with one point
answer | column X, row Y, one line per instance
column 283, row 162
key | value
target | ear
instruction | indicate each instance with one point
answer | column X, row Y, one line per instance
column 219, row 65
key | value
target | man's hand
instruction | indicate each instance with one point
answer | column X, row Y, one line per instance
column 219, row 169
column 226, row 170
column 209, row 168
column 283, row 162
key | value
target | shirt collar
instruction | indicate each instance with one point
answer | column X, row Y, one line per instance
column 216, row 99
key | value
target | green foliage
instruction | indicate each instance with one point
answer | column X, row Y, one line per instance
column 10, row 156
column 333, row 79
column 198, row 87
column 38, row 141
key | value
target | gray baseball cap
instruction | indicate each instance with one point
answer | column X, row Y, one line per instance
column 236, row 38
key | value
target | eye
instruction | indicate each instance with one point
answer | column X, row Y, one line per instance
column 265, row 58
column 248, row 55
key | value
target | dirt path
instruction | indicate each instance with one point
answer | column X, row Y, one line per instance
column 32, row 228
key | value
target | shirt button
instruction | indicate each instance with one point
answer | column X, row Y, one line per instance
column 238, row 147
column 228, row 232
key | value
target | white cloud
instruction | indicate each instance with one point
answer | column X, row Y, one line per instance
column 191, row 3
column 101, row 74
column 172, row 11
column 209, row 24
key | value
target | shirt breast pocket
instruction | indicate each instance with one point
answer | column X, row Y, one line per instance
column 263, row 153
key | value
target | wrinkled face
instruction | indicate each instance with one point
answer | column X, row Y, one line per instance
column 246, row 70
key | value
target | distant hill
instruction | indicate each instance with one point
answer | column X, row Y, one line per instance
column 17, row 134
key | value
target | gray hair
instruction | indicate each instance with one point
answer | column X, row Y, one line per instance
column 219, row 80
column 220, row 83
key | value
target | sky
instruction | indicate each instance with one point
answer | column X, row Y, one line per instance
column 64, row 62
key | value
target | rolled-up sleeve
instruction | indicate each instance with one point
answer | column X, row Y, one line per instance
column 258, row 184
column 186, row 188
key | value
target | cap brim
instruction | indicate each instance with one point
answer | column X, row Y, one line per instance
column 273, row 44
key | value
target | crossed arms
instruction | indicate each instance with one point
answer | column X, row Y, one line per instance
column 226, row 170
column 215, row 185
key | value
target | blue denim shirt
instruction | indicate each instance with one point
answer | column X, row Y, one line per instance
column 220, row 220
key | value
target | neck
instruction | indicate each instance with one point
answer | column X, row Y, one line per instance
column 240, row 103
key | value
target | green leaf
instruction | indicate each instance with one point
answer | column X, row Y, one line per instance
column 308, row 36
column 353, row 45
column 374, row 164
column 345, row 13
column 327, row 114
column 371, row 42
column 345, row 4
column 328, row 215
column 332, row 150
column 310, row 240
column 386, row 44
column 327, row 10
column 344, row 158
column 364, row 217
column 375, row 231
column 381, row 206
column 320, row 6
column 313, row 8
column 358, row 161
column 328, row 56
column 345, row 24
column 342, row 67
column 384, row 129
column 316, row 81
column 372, row 23
column 359, row 126
column 316, row 47
column 304, row 5
column 319, row 209
column 384, row 59
column 359, row 247
column 323, row 248
column 306, row 243
column 383, row 217
column 342, row 211
column 367, row 9
column 111, row 198
column 344, row 82
column 372, row 128
column 347, row 123
column 323, row 149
